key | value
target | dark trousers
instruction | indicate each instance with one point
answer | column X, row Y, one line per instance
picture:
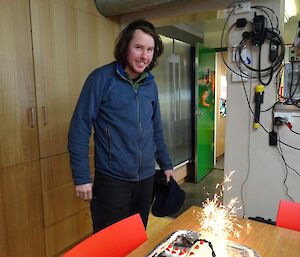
column 115, row 199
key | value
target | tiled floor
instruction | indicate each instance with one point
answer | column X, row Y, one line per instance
column 196, row 193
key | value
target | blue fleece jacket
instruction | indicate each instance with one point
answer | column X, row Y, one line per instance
column 127, row 126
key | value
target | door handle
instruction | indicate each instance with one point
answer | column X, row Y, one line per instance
column 45, row 114
column 32, row 117
column 198, row 113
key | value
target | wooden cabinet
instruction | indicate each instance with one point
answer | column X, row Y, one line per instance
column 21, row 220
column 67, row 232
column 67, row 219
column 59, row 199
column 47, row 49
column 70, row 39
column 3, row 236
column 22, row 228
column 18, row 130
column 56, row 72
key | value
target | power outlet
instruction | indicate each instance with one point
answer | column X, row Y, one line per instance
column 284, row 115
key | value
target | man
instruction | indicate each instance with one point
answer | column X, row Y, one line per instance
column 120, row 101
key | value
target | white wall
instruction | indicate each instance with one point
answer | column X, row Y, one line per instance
column 259, row 169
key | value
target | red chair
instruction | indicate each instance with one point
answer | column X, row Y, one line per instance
column 117, row 240
column 288, row 215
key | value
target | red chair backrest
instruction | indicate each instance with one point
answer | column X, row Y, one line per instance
column 117, row 240
column 288, row 215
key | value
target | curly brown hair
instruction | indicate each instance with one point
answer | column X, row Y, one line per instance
column 126, row 36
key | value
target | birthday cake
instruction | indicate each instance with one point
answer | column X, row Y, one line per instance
column 192, row 244
column 200, row 248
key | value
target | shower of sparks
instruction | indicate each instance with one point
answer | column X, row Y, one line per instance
column 218, row 219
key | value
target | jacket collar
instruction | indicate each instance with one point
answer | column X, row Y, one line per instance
column 122, row 73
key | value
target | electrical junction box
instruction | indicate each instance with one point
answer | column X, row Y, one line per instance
column 239, row 8
column 242, row 7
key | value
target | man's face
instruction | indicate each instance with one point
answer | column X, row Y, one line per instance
column 139, row 53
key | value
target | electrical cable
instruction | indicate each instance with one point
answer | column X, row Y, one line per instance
column 261, row 8
column 297, row 133
column 242, row 73
column 222, row 38
column 289, row 125
column 249, row 164
column 275, row 65
column 270, row 108
column 277, row 89
column 249, row 106
column 287, row 171
column 291, row 94
column 221, row 46
column 259, row 69
column 290, row 100
column 275, row 40
column 233, row 2
column 297, row 173
column 229, row 46
column 278, row 84
column 278, row 140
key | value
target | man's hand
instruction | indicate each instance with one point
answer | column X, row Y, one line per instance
column 169, row 173
column 84, row 191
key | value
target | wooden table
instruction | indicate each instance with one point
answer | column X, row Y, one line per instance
column 267, row 240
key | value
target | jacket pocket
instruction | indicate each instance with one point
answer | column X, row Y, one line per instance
column 109, row 144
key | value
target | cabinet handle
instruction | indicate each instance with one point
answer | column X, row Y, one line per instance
column 45, row 113
column 32, row 117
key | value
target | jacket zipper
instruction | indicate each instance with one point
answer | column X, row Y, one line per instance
column 109, row 144
column 138, row 118
column 140, row 131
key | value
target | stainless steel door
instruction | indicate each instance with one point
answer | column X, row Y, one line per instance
column 173, row 77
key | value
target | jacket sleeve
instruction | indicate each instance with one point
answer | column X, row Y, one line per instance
column 80, row 130
column 162, row 155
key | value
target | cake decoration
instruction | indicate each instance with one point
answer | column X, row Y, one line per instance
column 186, row 243
column 217, row 222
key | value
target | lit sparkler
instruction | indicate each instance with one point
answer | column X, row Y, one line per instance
column 218, row 221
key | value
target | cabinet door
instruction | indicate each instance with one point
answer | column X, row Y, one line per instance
column 68, row 232
column 59, row 198
column 3, row 243
column 18, row 129
column 21, row 204
column 68, row 44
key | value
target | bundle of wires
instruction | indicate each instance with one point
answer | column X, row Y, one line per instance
column 272, row 35
column 275, row 64
column 293, row 88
